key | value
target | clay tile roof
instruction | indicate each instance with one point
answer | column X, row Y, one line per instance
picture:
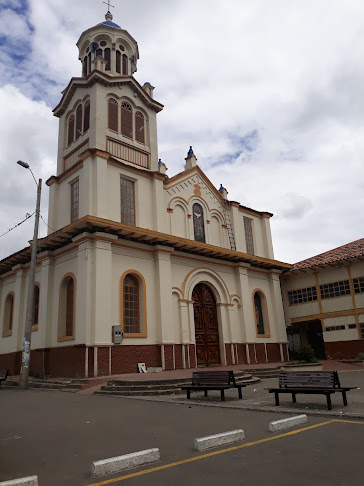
column 351, row 250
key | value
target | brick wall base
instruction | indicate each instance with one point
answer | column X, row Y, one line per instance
column 344, row 349
column 266, row 353
column 69, row 361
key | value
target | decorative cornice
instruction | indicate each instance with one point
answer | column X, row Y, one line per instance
column 93, row 224
column 106, row 80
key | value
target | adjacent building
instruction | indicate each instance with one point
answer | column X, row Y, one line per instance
column 324, row 302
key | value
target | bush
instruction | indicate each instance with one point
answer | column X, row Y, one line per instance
column 360, row 357
column 306, row 354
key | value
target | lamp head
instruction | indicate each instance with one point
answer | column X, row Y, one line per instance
column 23, row 164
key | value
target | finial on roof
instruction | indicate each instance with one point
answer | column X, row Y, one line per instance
column 108, row 15
column 190, row 152
column 221, row 187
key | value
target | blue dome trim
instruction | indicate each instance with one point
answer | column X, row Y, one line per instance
column 111, row 24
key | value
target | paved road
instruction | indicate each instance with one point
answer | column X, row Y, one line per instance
column 57, row 435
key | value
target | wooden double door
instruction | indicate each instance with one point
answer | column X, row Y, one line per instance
column 206, row 327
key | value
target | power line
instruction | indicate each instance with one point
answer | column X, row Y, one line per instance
column 50, row 227
column 21, row 222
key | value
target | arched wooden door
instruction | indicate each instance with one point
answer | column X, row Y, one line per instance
column 206, row 327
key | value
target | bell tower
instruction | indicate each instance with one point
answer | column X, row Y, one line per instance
column 105, row 118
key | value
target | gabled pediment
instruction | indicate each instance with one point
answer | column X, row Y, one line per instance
column 106, row 80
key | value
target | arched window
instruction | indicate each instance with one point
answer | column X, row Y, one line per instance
column 71, row 129
column 99, row 52
column 139, row 127
column 118, row 62
column 89, row 63
column 198, row 223
column 8, row 315
column 113, row 115
column 125, row 65
column 78, row 122
column 66, row 309
column 131, row 305
column 84, row 67
column 126, row 120
column 35, row 307
column 261, row 315
column 86, row 117
column 107, row 55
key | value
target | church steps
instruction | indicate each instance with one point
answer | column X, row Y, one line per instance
column 159, row 387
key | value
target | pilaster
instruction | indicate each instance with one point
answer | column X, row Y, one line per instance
column 164, row 294
column 48, row 312
column 278, row 326
column 247, row 312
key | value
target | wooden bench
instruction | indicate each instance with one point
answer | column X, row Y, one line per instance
column 3, row 375
column 212, row 380
column 310, row 382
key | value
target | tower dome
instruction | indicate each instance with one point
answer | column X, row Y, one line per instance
column 109, row 48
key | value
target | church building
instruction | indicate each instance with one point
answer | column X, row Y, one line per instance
column 138, row 267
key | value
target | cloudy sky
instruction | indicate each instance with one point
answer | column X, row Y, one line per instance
column 268, row 92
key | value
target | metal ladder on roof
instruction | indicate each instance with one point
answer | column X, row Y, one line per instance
column 229, row 227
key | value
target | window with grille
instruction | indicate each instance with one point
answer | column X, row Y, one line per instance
column 300, row 296
column 358, row 285
column 107, row 55
column 362, row 329
column 84, row 67
column 125, row 65
column 248, row 228
column 335, row 289
column 131, row 305
column 78, row 122
column 71, row 129
column 36, row 306
column 8, row 315
column 126, row 127
column 75, row 199
column 127, row 200
column 66, row 309
column 113, row 115
column 198, row 223
column 259, row 316
column 118, row 62
column 139, row 127
column 86, row 117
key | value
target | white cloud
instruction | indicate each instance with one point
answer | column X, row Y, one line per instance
column 268, row 93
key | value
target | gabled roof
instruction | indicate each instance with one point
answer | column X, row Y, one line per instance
column 352, row 250
column 181, row 176
column 106, row 80
column 93, row 224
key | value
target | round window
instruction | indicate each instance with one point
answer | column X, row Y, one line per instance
column 103, row 43
column 122, row 48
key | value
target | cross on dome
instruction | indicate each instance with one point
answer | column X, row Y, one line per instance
column 108, row 15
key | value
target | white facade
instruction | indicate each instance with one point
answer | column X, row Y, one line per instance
column 154, row 236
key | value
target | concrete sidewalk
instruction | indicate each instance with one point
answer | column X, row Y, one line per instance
column 257, row 398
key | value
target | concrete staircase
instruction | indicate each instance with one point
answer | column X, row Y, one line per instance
column 159, row 387
column 72, row 385
column 266, row 372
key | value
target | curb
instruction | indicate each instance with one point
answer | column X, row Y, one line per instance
column 216, row 440
column 29, row 481
column 127, row 461
column 287, row 423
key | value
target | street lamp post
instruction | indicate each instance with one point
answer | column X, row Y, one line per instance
column 24, row 373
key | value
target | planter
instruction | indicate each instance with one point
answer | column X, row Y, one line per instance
column 302, row 367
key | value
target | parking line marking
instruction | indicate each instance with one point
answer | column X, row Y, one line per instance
column 214, row 453
column 349, row 421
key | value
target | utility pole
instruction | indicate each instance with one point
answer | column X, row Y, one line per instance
column 24, row 373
